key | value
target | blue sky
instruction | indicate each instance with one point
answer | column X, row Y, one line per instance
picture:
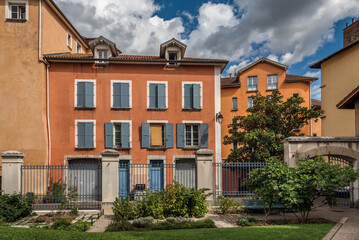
column 295, row 33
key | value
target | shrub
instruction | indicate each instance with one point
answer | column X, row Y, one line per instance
column 151, row 205
column 182, row 224
column 228, row 204
column 121, row 225
column 15, row 206
column 142, row 222
column 124, row 209
column 66, row 225
column 245, row 222
column 197, row 205
column 74, row 211
column 175, row 199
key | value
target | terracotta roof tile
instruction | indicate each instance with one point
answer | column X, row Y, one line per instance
column 297, row 78
column 230, row 82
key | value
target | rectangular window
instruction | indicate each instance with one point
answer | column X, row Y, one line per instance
column 252, row 83
column 85, row 134
column 85, row 93
column 234, row 103
column 157, row 133
column 121, row 94
column 78, row 47
column 157, row 95
column 272, row 82
column 17, row 11
column 192, row 135
column 118, row 134
column 295, row 94
column 192, row 95
column 117, row 138
column 69, row 40
column 102, row 54
column 249, row 102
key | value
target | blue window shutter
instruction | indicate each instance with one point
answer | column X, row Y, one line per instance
column 81, row 135
column 153, row 95
column 196, row 96
column 116, row 95
column 204, row 135
column 161, row 95
column 145, row 139
column 180, row 135
column 125, row 95
column 125, row 135
column 89, row 94
column 108, row 135
column 80, row 94
column 188, row 96
column 169, row 135
column 89, row 135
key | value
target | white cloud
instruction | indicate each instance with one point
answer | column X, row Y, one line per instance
column 316, row 92
column 273, row 57
column 234, row 68
column 315, row 74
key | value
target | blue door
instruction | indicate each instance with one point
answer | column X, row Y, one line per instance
column 124, row 177
column 156, row 175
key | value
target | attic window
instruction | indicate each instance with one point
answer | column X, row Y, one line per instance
column 173, row 56
column 102, row 53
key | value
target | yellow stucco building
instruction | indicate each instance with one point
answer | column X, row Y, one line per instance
column 30, row 29
column 340, row 75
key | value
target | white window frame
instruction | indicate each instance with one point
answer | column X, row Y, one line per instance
column 163, row 122
column 122, row 121
column 94, row 90
column 233, row 104
column 201, row 92
column 270, row 87
column 148, row 92
column 250, row 77
column 16, row 2
column 77, row 46
column 76, row 131
column 69, row 42
column 129, row 89
column 248, row 107
column 98, row 50
column 191, row 122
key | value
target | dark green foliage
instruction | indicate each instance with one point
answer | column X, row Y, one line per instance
column 183, row 224
column 245, row 222
column 260, row 135
column 74, row 211
column 173, row 201
column 66, row 225
column 143, row 222
column 15, row 206
column 297, row 188
column 121, row 225
column 56, row 193
column 228, row 205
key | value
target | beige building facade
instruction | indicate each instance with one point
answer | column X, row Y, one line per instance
column 29, row 29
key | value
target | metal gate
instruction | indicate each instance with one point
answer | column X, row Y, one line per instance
column 344, row 196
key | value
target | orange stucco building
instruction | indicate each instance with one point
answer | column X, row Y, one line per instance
column 262, row 76
column 29, row 29
column 148, row 108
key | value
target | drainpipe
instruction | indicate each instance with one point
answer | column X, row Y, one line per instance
column 310, row 107
column 39, row 31
column 48, row 110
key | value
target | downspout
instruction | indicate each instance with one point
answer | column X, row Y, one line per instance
column 39, row 31
column 48, row 110
column 310, row 106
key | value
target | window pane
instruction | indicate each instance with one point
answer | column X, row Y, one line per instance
column 195, row 135
column 234, row 104
column 272, row 82
column 118, row 135
column 22, row 12
column 188, row 135
column 252, row 83
column 156, row 135
column 250, row 102
column 14, row 11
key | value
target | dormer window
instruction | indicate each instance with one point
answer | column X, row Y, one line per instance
column 172, row 50
column 172, row 56
column 102, row 53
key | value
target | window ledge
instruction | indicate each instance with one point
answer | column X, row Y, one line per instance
column 157, row 148
column 191, row 147
column 120, row 108
column 192, row 109
column 157, row 109
column 15, row 20
column 85, row 108
column 252, row 91
column 101, row 63
column 121, row 148
column 270, row 90
column 234, row 110
column 78, row 148
column 173, row 65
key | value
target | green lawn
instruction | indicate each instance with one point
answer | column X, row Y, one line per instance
column 302, row 232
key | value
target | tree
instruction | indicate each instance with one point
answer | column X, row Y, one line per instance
column 260, row 135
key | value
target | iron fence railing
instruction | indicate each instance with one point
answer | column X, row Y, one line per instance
column 63, row 186
column 229, row 179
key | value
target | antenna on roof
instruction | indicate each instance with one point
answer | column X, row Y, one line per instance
column 230, row 75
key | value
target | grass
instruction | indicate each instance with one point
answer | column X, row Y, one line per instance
column 293, row 232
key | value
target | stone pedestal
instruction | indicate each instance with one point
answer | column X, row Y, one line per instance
column 204, row 162
column 12, row 162
column 110, row 184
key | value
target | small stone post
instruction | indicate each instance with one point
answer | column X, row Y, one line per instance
column 204, row 162
column 110, row 185
column 12, row 162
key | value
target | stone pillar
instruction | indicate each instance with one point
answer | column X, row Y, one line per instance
column 12, row 162
column 110, row 184
column 204, row 162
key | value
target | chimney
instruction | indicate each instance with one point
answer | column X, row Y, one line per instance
column 351, row 33
column 230, row 75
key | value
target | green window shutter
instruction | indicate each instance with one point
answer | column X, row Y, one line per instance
column 204, row 135
column 169, row 135
column 89, row 94
column 89, row 135
column 180, row 135
column 81, row 135
column 108, row 135
column 188, row 93
column 196, row 96
column 125, row 95
column 161, row 95
column 153, row 95
column 116, row 95
column 80, row 94
column 125, row 135
column 145, row 138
